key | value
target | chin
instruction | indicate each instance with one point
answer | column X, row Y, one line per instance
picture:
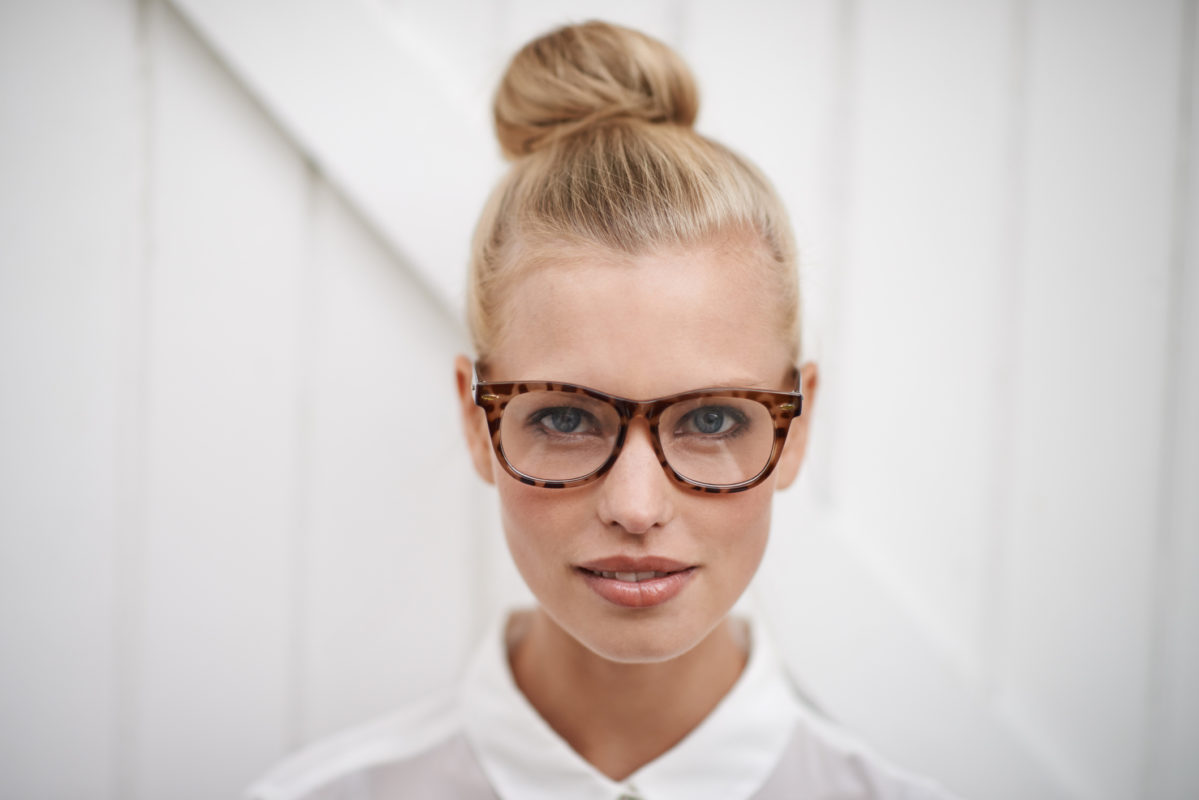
column 645, row 639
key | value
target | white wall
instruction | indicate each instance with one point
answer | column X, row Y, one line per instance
column 231, row 241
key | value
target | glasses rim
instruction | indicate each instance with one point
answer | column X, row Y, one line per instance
column 494, row 396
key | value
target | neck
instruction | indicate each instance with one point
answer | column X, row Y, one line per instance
column 618, row 716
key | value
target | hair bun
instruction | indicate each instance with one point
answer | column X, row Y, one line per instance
column 579, row 75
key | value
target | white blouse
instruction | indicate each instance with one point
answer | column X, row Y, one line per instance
column 484, row 741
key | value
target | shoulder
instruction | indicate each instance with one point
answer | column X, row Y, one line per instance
column 829, row 762
column 418, row 743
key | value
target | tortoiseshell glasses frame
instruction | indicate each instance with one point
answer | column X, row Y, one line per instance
column 494, row 396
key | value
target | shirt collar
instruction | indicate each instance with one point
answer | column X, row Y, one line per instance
column 728, row 756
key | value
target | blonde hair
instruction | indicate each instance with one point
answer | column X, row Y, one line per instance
column 597, row 122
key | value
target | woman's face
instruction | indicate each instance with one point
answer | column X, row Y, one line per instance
column 640, row 327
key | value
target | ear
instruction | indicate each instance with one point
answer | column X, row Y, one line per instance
column 797, row 437
column 474, row 421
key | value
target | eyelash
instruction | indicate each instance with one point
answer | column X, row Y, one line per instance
column 535, row 420
column 738, row 418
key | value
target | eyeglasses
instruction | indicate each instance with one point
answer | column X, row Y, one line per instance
column 559, row 435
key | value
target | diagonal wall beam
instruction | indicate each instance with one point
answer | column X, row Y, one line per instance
column 371, row 115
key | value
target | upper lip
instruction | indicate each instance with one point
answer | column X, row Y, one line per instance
column 631, row 564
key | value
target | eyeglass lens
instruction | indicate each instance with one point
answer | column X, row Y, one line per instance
column 561, row 436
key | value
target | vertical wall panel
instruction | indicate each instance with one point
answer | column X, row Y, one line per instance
column 1171, row 770
column 69, row 267
column 228, row 221
column 390, row 565
column 1101, row 144
column 920, row 393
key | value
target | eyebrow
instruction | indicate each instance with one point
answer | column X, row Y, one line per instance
column 742, row 383
column 733, row 384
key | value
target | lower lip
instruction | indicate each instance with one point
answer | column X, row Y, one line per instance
column 642, row 594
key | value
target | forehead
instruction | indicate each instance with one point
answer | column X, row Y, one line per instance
column 649, row 325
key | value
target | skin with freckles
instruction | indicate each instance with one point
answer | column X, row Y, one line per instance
column 623, row 685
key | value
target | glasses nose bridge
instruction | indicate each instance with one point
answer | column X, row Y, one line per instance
column 649, row 410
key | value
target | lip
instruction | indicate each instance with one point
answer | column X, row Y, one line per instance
column 631, row 564
column 640, row 594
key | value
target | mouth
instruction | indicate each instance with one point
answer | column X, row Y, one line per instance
column 631, row 577
column 637, row 565
column 637, row 583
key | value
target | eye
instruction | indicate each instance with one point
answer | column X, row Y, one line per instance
column 711, row 421
column 565, row 419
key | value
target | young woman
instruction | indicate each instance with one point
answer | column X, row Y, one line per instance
column 636, row 399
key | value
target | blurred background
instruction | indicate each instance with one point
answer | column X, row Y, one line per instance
column 235, row 513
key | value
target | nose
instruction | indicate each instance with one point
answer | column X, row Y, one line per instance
column 636, row 495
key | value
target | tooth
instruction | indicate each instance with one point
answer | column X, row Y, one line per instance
column 608, row 574
column 626, row 576
column 645, row 576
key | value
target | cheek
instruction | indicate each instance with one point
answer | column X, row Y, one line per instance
column 741, row 526
column 537, row 524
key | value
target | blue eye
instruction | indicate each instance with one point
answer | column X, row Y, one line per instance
column 712, row 421
column 564, row 419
